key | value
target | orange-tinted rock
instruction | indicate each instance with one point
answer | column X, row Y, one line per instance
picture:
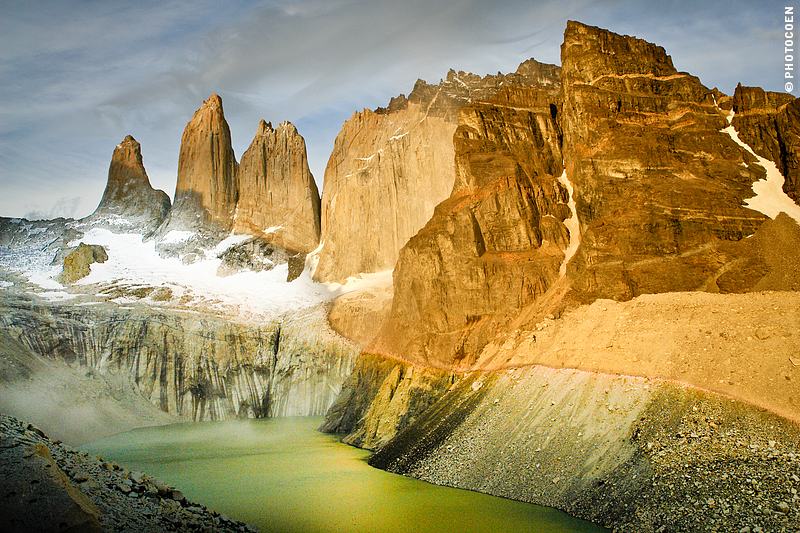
column 770, row 123
column 129, row 199
column 278, row 198
column 206, row 192
column 659, row 189
column 497, row 243
column 390, row 167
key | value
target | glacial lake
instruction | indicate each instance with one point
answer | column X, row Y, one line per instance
column 283, row 475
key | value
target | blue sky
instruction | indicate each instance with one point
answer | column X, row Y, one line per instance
column 76, row 77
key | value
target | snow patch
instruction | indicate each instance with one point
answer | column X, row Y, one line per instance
column 572, row 224
column 769, row 199
column 135, row 261
column 177, row 236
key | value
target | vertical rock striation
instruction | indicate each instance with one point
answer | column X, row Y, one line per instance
column 278, row 198
column 129, row 201
column 196, row 365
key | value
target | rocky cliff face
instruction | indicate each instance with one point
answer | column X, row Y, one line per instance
column 770, row 123
column 207, row 191
column 390, row 167
column 278, row 198
column 129, row 202
column 492, row 373
column 195, row 365
column 659, row 188
column 656, row 202
column 387, row 171
column 497, row 243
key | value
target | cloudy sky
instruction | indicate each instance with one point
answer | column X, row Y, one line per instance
column 77, row 76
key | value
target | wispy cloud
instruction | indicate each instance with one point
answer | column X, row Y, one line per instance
column 76, row 77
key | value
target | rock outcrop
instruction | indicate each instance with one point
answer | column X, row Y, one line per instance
column 278, row 198
column 497, row 243
column 129, row 202
column 206, row 191
column 77, row 263
column 390, row 167
column 770, row 123
column 659, row 188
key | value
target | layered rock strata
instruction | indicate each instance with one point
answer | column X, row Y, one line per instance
column 129, row 202
column 278, row 198
column 659, row 188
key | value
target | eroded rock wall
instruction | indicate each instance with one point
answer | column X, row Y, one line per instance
column 199, row 366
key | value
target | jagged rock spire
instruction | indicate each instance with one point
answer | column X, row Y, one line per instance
column 278, row 197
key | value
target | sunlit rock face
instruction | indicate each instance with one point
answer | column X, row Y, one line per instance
column 659, row 182
column 659, row 188
column 390, row 167
column 206, row 191
column 278, row 198
column 497, row 242
column 770, row 123
column 196, row 365
column 129, row 202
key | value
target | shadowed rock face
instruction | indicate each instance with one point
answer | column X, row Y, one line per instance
column 128, row 194
column 770, row 123
column 496, row 244
column 278, row 198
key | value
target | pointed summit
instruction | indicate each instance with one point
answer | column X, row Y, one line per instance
column 278, row 197
column 128, row 192
column 264, row 128
column 207, row 168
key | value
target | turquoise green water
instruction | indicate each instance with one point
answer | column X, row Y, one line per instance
column 283, row 475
